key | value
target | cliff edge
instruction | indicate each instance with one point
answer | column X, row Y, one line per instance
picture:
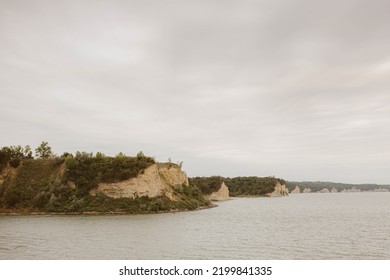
column 296, row 190
column 88, row 184
column 280, row 190
column 220, row 195
column 159, row 179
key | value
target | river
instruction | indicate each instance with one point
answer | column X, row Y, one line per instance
column 300, row 226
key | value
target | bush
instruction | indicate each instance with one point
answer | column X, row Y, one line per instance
column 258, row 186
column 88, row 172
column 13, row 197
column 41, row 200
column 207, row 185
column 15, row 162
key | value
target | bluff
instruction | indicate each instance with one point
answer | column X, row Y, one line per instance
column 100, row 184
column 256, row 186
column 322, row 187
column 219, row 195
column 159, row 179
column 213, row 187
column 296, row 190
column 280, row 190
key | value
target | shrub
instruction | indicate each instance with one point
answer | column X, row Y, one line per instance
column 207, row 185
column 88, row 172
column 15, row 162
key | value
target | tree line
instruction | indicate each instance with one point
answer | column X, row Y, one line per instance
column 13, row 154
column 319, row 185
column 238, row 186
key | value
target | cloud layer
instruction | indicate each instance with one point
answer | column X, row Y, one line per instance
column 296, row 89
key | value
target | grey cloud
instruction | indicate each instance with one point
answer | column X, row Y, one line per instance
column 296, row 89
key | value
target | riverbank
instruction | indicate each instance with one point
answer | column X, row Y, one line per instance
column 96, row 213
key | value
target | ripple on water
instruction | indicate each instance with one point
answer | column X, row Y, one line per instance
column 307, row 226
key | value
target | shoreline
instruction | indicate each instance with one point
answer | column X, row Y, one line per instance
column 95, row 213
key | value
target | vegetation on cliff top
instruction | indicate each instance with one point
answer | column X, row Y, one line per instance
column 87, row 171
column 238, row 186
column 207, row 185
column 62, row 184
column 252, row 186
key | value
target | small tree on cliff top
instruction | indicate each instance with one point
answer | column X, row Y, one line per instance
column 43, row 150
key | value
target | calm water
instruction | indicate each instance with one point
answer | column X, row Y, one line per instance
column 301, row 226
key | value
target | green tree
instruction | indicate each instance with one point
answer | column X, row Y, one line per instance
column 5, row 156
column 43, row 150
column 100, row 155
column 140, row 155
column 16, row 151
column 66, row 155
column 120, row 155
column 20, row 153
column 27, row 152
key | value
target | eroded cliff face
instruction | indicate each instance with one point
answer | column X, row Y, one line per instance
column 296, row 190
column 158, row 179
column 280, row 190
column 354, row 189
column 220, row 195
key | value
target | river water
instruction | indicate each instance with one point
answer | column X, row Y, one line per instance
column 300, row 226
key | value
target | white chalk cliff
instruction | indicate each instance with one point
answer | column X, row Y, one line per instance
column 156, row 180
column 221, row 194
column 280, row 190
column 324, row 190
column 296, row 190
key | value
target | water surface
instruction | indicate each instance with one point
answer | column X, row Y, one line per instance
column 301, row 226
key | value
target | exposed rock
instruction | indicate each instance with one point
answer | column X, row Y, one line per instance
column 158, row 179
column 296, row 190
column 280, row 190
column 307, row 190
column 221, row 194
column 71, row 185
column 381, row 190
column 324, row 190
column 354, row 189
column 333, row 190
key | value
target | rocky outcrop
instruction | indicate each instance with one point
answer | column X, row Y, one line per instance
column 333, row 190
column 220, row 195
column 381, row 190
column 156, row 180
column 296, row 190
column 280, row 190
column 324, row 190
column 354, row 189
column 307, row 190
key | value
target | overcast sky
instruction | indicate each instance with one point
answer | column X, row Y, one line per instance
column 295, row 89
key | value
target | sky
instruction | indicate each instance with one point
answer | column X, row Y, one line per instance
column 294, row 89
